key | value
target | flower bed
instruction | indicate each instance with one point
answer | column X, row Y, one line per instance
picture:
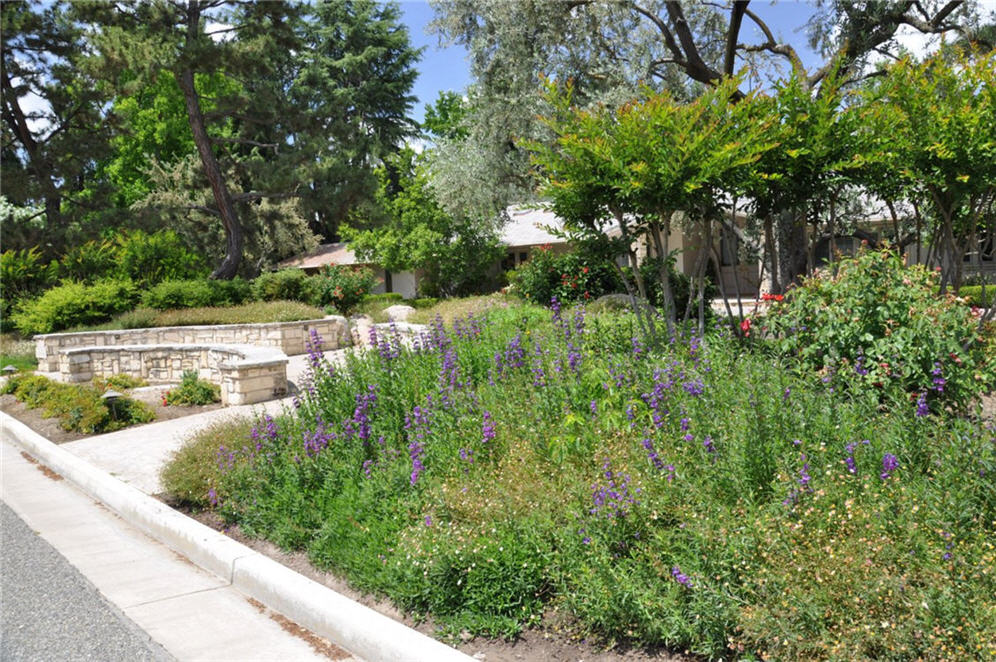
column 700, row 496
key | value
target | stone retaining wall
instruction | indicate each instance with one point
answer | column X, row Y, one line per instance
column 289, row 337
column 245, row 373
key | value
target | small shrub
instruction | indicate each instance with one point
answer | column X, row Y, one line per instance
column 117, row 382
column 72, row 304
column 193, row 391
column 878, row 324
column 89, row 262
column 23, row 274
column 570, row 277
column 424, row 302
column 194, row 470
column 385, row 297
column 172, row 294
column 149, row 259
column 343, row 287
column 973, row 295
column 284, row 285
column 140, row 318
column 681, row 287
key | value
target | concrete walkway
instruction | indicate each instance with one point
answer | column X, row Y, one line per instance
column 199, row 594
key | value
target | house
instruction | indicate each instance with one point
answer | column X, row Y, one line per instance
column 404, row 283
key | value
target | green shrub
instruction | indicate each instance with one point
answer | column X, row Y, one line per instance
column 284, row 285
column 89, row 262
column 172, row 294
column 72, row 304
column 385, row 297
column 23, row 274
column 343, row 287
column 570, row 277
column 877, row 325
column 194, row 471
column 424, row 302
column 973, row 295
column 79, row 408
column 193, row 391
column 140, row 318
column 117, row 382
column 148, row 259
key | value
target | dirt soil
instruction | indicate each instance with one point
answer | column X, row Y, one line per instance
column 50, row 428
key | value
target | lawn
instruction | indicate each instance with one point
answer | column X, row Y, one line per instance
column 710, row 494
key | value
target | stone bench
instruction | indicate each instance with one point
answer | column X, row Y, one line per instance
column 288, row 337
column 246, row 373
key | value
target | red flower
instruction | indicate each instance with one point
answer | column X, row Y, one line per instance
column 745, row 326
column 585, row 270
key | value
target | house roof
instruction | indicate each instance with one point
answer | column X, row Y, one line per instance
column 531, row 227
column 325, row 254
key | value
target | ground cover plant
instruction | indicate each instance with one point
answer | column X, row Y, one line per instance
column 192, row 391
column 706, row 495
column 79, row 407
column 248, row 313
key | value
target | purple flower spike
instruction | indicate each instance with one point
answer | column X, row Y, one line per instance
column 889, row 464
column 681, row 577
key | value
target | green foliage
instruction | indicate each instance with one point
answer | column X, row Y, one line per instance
column 89, row 261
column 23, row 273
column 342, row 286
column 78, row 408
column 581, row 473
column 386, row 297
column 194, row 469
column 148, row 259
column 284, row 285
column 173, row 294
column 878, row 325
column 446, row 118
column 72, row 304
column 452, row 254
column 193, row 391
column 117, row 382
column 570, row 277
column 422, row 303
column 973, row 295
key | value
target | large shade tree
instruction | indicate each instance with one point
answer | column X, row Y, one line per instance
column 288, row 105
column 53, row 130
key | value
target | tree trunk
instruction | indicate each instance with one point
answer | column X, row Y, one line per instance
column 229, row 218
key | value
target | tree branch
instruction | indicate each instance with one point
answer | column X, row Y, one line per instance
column 772, row 46
column 244, row 141
column 736, row 19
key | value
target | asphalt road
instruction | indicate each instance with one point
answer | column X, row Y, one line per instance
column 49, row 611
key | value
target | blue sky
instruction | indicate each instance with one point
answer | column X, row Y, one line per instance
column 447, row 68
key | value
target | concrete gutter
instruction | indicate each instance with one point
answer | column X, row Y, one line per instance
column 357, row 628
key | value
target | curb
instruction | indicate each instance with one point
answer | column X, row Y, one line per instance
column 357, row 628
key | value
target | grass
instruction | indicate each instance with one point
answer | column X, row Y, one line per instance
column 705, row 496
column 255, row 312
column 193, row 469
column 17, row 352
column 452, row 309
